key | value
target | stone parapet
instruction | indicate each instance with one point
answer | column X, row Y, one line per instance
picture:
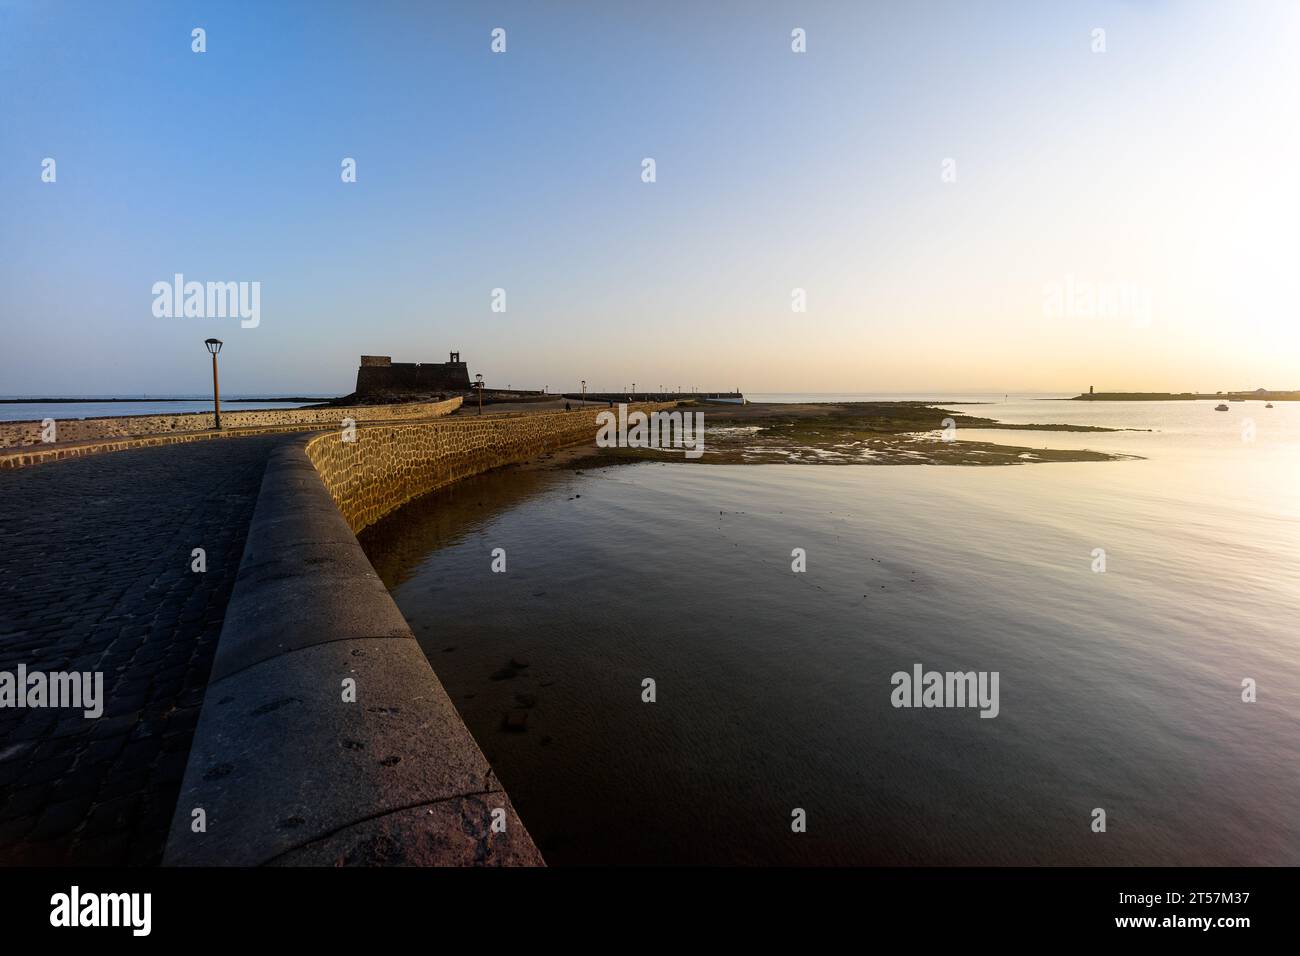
column 25, row 433
column 325, row 737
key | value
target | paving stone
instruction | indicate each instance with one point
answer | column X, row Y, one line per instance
column 95, row 575
column 60, row 818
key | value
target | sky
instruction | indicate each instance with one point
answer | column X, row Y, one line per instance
column 972, row 196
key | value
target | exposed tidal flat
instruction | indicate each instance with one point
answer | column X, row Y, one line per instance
column 855, row 433
column 1119, row 689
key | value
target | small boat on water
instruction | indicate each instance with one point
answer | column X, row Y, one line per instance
column 1269, row 405
column 1221, row 407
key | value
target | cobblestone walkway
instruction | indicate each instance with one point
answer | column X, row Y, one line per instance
column 95, row 576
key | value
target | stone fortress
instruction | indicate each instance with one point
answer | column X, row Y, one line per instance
column 379, row 373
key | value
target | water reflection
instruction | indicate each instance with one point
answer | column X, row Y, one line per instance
column 1118, row 689
column 397, row 543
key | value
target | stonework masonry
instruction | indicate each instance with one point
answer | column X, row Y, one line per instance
column 14, row 434
column 287, row 770
column 325, row 738
column 389, row 464
column 295, row 774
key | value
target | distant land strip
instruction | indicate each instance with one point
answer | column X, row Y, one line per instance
column 1260, row 395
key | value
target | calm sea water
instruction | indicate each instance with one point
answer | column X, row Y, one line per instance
column 1119, row 690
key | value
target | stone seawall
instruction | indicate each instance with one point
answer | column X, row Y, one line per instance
column 390, row 464
column 325, row 737
column 14, row 434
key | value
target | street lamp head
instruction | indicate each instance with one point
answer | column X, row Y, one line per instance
column 214, row 345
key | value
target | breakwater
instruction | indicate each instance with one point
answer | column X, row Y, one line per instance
column 325, row 736
column 33, row 432
column 392, row 463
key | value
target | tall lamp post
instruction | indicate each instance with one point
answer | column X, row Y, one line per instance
column 584, row 391
column 214, row 346
column 479, row 380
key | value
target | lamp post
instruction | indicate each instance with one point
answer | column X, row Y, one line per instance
column 584, row 391
column 214, row 346
column 479, row 380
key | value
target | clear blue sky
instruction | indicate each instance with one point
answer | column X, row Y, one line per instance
column 1162, row 164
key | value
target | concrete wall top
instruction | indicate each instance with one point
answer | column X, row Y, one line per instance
column 286, row 769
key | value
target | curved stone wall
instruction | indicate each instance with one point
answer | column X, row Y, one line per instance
column 325, row 737
column 388, row 465
column 82, row 429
